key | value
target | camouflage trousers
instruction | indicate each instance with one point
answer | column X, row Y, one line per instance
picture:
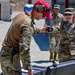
column 66, row 51
column 10, row 65
column 54, row 52
column 53, row 49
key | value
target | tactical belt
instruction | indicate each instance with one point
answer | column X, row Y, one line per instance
column 12, row 50
column 9, row 48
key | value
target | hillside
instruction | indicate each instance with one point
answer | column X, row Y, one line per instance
column 19, row 4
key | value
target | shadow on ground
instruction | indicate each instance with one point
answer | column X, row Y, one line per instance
column 42, row 61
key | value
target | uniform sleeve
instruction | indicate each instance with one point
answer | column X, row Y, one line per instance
column 36, row 30
column 25, row 46
column 59, row 28
column 54, row 29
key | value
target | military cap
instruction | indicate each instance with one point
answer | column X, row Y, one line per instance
column 57, row 6
column 69, row 11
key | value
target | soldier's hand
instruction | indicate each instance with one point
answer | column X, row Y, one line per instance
column 30, row 72
column 43, row 30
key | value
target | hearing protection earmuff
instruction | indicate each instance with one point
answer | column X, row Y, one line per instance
column 41, row 8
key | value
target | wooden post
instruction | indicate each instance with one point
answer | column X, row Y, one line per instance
column 66, row 3
column 54, row 1
column 29, row 1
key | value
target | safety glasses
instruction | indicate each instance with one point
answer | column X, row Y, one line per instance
column 67, row 14
column 41, row 8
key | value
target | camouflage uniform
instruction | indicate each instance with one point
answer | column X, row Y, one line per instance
column 55, row 37
column 67, row 42
column 73, row 10
column 67, row 48
column 16, row 45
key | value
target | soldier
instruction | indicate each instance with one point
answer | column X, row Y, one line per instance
column 67, row 42
column 16, row 44
column 55, row 38
column 71, row 9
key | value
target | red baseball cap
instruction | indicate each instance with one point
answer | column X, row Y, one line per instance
column 46, row 13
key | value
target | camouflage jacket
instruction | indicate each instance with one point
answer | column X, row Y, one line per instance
column 19, row 36
column 57, row 18
column 67, row 32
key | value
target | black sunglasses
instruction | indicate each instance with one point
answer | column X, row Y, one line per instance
column 67, row 14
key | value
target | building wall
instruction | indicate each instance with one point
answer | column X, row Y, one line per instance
column 5, row 9
column 64, row 4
